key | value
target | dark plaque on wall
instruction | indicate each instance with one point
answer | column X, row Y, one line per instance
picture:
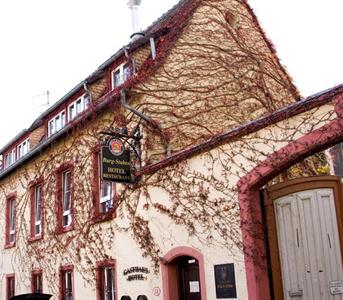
column 115, row 162
column 225, row 281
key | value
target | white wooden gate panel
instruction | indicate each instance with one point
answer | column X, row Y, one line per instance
column 309, row 244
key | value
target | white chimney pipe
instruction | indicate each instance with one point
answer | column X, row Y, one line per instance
column 133, row 5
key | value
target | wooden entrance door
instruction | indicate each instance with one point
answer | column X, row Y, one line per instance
column 188, row 278
column 308, row 243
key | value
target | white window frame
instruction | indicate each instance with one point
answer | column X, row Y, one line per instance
column 66, row 193
column 11, row 286
column 10, row 158
column 122, row 75
column 85, row 102
column 106, row 283
column 38, row 208
column 54, row 126
column 37, row 279
column 109, row 197
column 68, row 290
column 23, row 148
column 11, row 229
column 13, row 156
column 7, row 160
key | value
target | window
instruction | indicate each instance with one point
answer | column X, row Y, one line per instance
column 23, row 148
column 10, row 221
column 36, row 211
column 56, row 123
column 120, row 74
column 104, row 192
column 105, row 280
column 10, row 158
column 37, row 282
column 106, row 196
column 67, row 287
column 78, row 106
column 10, row 286
column 64, row 198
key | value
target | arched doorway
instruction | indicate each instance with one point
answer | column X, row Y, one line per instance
column 183, row 275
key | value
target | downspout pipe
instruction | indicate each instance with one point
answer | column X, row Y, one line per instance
column 155, row 126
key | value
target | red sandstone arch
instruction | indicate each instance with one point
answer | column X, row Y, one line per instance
column 248, row 197
column 167, row 272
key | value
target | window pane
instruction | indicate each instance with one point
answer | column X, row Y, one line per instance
column 86, row 101
column 71, row 112
column 51, row 127
column 108, row 284
column 69, row 287
column 78, row 106
column 38, row 203
column 106, row 189
column 126, row 72
column 63, row 119
column 37, row 281
column 117, row 78
column 106, row 196
column 38, row 209
column 11, row 203
column 66, row 191
column 11, row 287
column 66, row 181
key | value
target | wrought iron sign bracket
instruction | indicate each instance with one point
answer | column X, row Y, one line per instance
column 131, row 142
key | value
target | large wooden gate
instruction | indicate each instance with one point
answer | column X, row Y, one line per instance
column 304, row 225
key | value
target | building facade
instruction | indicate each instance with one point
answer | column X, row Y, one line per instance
column 220, row 122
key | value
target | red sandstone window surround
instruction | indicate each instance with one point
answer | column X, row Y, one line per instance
column 104, row 193
column 10, row 220
column 106, row 280
column 37, row 281
column 67, row 283
column 10, row 286
column 64, row 203
column 36, row 213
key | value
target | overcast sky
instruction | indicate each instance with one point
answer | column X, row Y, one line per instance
column 50, row 45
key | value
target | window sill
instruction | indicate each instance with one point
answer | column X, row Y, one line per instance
column 9, row 246
column 103, row 217
column 61, row 230
column 33, row 239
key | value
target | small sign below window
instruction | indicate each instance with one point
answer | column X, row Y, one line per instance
column 225, row 281
column 115, row 162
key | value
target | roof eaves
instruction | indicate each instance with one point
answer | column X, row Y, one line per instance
column 12, row 141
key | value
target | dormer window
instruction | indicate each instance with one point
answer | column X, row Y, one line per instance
column 57, row 123
column 10, row 158
column 23, row 148
column 78, row 106
column 120, row 74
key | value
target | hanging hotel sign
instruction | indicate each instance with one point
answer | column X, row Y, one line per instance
column 115, row 162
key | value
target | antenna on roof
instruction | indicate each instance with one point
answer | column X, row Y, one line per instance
column 136, row 31
column 46, row 105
